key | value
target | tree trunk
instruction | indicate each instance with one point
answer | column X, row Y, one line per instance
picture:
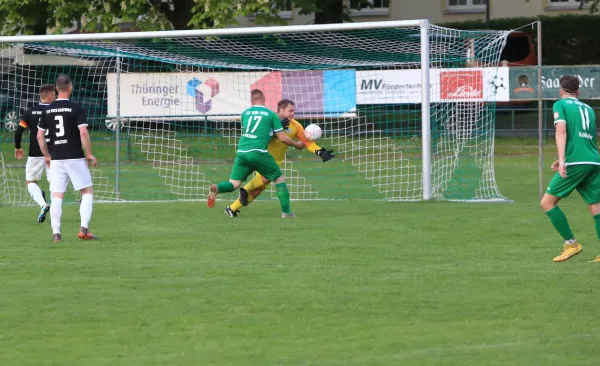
column 331, row 12
column 182, row 14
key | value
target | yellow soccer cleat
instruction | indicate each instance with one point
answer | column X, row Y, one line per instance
column 569, row 251
column 597, row 260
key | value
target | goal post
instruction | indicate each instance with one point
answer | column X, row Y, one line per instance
column 408, row 107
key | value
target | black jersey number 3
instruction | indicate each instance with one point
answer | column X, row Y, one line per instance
column 60, row 126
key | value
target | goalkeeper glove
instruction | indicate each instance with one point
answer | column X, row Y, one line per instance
column 285, row 123
column 324, row 154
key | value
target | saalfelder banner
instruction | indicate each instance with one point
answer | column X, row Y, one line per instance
column 524, row 81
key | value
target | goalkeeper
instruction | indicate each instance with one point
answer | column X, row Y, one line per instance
column 293, row 129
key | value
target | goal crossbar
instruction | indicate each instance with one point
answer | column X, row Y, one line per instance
column 216, row 32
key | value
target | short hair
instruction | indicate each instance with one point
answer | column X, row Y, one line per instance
column 569, row 83
column 284, row 103
column 46, row 90
column 63, row 82
column 257, row 94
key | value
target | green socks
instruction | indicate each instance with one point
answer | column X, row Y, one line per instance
column 559, row 220
column 284, row 197
column 225, row 187
column 597, row 219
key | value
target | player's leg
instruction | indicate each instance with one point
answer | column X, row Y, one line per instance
column 34, row 169
column 80, row 176
column 248, row 194
column 557, row 189
column 251, row 190
column 240, row 171
column 58, row 186
column 589, row 189
column 271, row 171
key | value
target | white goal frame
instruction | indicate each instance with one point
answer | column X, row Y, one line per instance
column 423, row 24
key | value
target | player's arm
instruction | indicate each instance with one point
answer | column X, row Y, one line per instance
column 23, row 125
column 41, row 138
column 278, row 129
column 560, row 123
column 312, row 146
column 85, row 137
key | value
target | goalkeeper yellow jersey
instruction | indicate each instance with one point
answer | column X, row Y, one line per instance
column 294, row 131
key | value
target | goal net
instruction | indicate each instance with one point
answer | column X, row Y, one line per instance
column 164, row 108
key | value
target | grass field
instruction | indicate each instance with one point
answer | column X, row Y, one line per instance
column 355, row 282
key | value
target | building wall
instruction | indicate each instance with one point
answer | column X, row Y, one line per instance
column 438, row 11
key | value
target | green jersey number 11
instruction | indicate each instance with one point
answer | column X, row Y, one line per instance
column 585, row 118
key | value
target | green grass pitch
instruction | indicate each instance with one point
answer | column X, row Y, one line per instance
column 356, row 282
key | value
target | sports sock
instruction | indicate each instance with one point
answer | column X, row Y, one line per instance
column 236, row 205
column 597, row 219
column 36, row 194
column 85, row 209
column 253, row 184
column 284, row 197
column 55, row 214
column 559, row 220
column 225, row 187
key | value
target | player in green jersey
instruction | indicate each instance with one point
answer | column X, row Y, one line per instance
column 258, row 125
column 578, row 164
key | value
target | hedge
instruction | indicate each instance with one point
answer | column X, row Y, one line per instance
column 566, row 39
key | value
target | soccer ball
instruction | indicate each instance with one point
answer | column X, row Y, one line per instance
column 313, row 132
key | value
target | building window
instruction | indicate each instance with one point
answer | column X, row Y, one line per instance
column 562, row 4
column 377, row 8
column 285, row 9
column 466, row 5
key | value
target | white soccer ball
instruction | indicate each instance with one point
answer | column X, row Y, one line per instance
column 313, row 132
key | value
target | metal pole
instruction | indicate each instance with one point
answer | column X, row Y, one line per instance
column 425, row 111
column 118, row 128
column 540, row 110
column 487, row 13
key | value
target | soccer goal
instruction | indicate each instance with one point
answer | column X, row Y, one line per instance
column 408, row 107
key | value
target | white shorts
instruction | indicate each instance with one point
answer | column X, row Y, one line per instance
column 35, row 168
column 61, row 171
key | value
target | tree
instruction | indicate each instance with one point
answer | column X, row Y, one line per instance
column 33, row 17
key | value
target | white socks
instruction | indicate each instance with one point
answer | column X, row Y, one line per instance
column 36, row 194
column 55, row 214
column 85, row 209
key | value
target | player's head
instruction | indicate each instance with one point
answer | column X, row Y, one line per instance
column 569, row 86
column 286, row 109
column 47, row 93
column 64, row 85
column 257, row 97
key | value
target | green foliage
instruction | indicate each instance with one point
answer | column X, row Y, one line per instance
column 566, row 39
column 222, row 13
column 33, row 16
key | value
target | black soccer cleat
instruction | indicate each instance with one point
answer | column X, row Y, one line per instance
column 230, row 212
column 56, row 238
column 243, row 197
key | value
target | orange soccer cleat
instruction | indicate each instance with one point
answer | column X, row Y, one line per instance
column 84, row 234
column 212, row 196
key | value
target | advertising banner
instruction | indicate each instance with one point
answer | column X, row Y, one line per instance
column 446, row 85
column 524, row 81
column 227, row 95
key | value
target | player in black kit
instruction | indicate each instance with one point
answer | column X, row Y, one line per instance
column 35, row 166
column 66, row 125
